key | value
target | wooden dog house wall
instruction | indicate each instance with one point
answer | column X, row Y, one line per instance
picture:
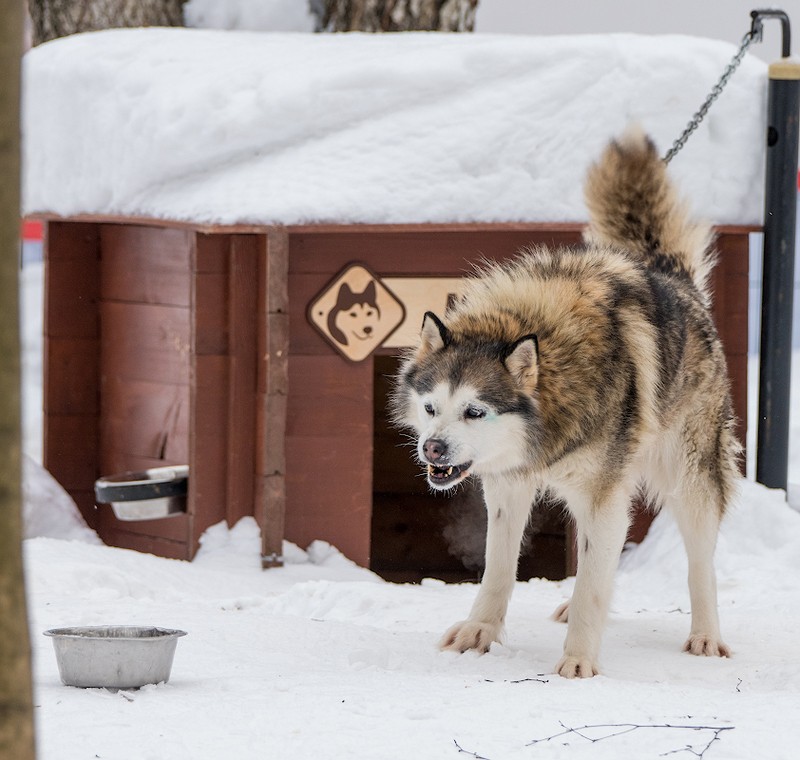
column 171, row 344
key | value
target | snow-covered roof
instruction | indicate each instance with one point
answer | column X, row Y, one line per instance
column 247, row 127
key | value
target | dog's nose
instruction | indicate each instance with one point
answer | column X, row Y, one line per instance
column 367, row 329
column 434, row 449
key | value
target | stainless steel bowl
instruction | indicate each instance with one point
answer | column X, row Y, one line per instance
column 145, row 495
column 114, row 656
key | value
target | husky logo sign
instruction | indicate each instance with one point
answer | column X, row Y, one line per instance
column 356, row 312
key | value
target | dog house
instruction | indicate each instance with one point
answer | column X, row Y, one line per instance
column 222, row 348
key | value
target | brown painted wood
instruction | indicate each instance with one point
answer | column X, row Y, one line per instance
column 329, row 453
column 144, row 420
column 155, row 542
column 71, row 376
column 70, row 358
column 242, row 320
column 146, row 341
column 145, row 264
column 329, row 493
column 208, row 443
column 210, row 313
column 730, row 306
column 71, row 450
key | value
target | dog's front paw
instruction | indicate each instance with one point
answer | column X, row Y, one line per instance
column 707, row 646
column 470, row 634
column 575, row 666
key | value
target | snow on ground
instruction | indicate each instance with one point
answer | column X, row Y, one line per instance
column 233, row 126
column 321, row 658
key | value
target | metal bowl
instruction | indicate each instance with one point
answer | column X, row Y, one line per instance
column 146, row 495
column 114, row 656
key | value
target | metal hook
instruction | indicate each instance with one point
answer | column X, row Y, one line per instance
column 757, row 27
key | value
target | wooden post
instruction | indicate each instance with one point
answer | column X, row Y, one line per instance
column 273, row 385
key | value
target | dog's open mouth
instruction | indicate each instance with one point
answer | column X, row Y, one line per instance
column 447, row 476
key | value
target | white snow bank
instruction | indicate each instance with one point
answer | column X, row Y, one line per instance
column 226, row 127
column 48, row 510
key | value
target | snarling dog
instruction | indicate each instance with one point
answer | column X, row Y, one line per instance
column 594, row 374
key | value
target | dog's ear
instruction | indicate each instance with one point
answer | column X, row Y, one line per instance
column 434, row 336
column 522, row 361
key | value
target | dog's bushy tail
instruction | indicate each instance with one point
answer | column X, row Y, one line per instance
column 633, row 205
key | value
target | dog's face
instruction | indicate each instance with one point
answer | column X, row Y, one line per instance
column 358, row 322
column 471, row 404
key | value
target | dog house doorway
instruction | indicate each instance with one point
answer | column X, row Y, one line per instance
column 418, row 534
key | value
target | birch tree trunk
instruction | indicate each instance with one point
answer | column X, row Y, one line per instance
column 16, row 702
column 58, row 18
column 394, row 15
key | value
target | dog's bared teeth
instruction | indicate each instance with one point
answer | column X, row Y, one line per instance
column 449, row 471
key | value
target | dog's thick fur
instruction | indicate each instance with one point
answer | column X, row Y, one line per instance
column 592, row 373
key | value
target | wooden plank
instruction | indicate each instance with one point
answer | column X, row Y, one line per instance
column 208, row 444
column 210, row 313
column 330, row 394
column 270, row 443
column 277, row 271
column 72, row 368
column 271, row 515
column 332, row 228
column 71, row 450
column 274, row 375
column 210, row 253
column 329, row 492
column 242, row 377
column 172, row 528
column 730, row 307
column 155, row 543
column 144, row 419
column 70, row 359
column 272, row 400
column 419, row 252
column 146, row 342
column 145, row 264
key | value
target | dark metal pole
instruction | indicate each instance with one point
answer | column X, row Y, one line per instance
column 780, row 212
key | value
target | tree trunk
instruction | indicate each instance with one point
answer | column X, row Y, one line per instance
column 16, row 701
column 394, row 15
column 58, row 18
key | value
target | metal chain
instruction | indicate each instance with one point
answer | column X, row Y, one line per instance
column 754, row 35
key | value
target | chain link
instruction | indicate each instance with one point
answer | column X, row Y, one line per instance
column 754, row 35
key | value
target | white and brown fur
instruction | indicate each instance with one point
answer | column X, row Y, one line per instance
column 591, row 373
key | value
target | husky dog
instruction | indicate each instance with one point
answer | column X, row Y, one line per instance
column 593, row 374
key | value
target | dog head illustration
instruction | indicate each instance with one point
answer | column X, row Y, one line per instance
column 355, row 315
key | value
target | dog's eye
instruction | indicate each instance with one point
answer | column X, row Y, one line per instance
column 429, row 409
column 474, row 413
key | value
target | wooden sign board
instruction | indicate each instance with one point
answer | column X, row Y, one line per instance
column 358, row 311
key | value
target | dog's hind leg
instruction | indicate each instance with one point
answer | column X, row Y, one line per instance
column 601, row 529
column 508, row 504
column 699, row 525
